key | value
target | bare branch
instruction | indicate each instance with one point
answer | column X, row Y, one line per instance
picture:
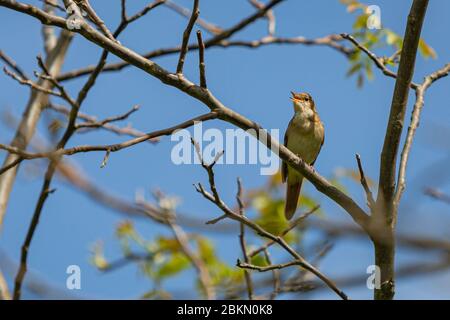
column 91, row 122
column 11, row 165
column 13, row 65
column 86, row 6
column 438, row 195
column 111, row 147
column 270, row 16
column 48, row 32
column 386, row 213
column 270, row 267
column 145, row 10
column 201, row 55
column 207, row 26
column 203, row 273
column 276, row 276
column 379, row 63
column 330, row 41
column 214, row 41
column 292, row 225
column 369, row 195
column 248, row 277
column 208, row 99
column 215, row 198
column 415, row 118
column 186, row 35
column 30, row 83
column 97, row 124
column 27, row 125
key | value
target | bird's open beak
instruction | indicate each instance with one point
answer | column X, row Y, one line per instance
column 293, row 98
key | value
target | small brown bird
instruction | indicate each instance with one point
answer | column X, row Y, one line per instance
column 304, row 137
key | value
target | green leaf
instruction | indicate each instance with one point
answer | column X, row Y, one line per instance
column 174, row 265
column 206, row 250
column 393, row 39
column 361, row 21
column 353, row 69
column 426, row 51
column 259, row 260
column 167, row 244
column 124, row 229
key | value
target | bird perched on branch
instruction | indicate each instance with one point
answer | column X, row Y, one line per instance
column 304, row 137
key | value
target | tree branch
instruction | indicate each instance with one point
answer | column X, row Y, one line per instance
column 369, row 196
column 386, row 211
column 215, row 198
column 186, row 35
column 205, row 96
column 415, row 118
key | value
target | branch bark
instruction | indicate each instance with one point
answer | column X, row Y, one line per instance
column 207, row 98
column 31, row 117
column 386, row 211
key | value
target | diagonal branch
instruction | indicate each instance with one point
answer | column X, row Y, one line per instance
column 206, row 97
column 186, row 35
column 379, row 63
column 207, row 26
column 369, row 195
column 111, row 147
column 386, row 211
column 415, row 117
column 25, row 129
column 398, row 107
column 215, row 198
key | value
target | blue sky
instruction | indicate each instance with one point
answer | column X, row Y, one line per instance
column 256, row 83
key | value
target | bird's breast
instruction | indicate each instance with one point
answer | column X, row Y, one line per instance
column 305, row 137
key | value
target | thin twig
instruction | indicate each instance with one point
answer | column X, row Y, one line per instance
column 86, row 6
column 11, row 165
column 112, row 147
column 276, row 276
column 415, row 118
column 30, row 83
column 330, row 41
column 208, row 26
column 91, row 122
column 270, row 16
column 203, row 273
column 369, row 195
column 248, row 277
column 201, row 57
column 215, row 198
column 13, row 65
column 145, row 10
column 270, row 267
column 102, row 123
column 438, row 195
column 186, row 35
column 378, row 61
column 291, row 226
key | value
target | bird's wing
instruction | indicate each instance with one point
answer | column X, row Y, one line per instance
column 284, row 164
column 323, row 141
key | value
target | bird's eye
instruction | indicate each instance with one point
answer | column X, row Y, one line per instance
column 306, row 99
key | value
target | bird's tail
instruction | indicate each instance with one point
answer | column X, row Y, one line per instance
column 292, row 194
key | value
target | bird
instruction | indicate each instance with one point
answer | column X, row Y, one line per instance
column 304, row 136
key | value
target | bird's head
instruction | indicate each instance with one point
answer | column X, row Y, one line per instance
column 302, row 101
